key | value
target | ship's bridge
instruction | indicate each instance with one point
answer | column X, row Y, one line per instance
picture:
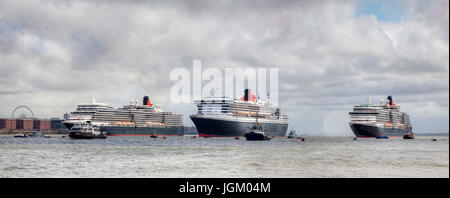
column 364, row 113
column 214, row 105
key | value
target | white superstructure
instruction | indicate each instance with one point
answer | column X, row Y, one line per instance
column 85, row 112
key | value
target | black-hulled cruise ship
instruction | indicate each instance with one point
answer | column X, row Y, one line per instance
column 136, row 120
column 385, row 119
column 225, row 117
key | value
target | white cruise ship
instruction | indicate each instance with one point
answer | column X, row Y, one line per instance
column 85, row 112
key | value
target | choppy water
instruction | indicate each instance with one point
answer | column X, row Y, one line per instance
column 223, row 157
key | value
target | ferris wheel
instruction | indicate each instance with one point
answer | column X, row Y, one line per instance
column 23, row 110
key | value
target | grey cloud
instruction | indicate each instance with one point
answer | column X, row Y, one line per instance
column 117, row 50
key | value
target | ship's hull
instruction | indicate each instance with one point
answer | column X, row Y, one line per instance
column 231, row 127
column 367, row 130
column 142, row 131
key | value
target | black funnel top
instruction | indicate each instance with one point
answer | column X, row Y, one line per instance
column 145, row 102
column 246, row 94
column 389, row 98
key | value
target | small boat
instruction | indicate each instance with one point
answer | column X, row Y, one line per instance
column 21, row 135
column 408, row 136
column 38, row 134
column 86, row 131
column 292, row 134
column 154, row 135
column 382, row 137
column 256, row 133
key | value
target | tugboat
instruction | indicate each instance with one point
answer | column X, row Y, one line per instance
column 409, row 136
column 86, row 131
column 256, row 133
column 292, row 134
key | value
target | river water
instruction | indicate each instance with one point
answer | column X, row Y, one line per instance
column 117, row 157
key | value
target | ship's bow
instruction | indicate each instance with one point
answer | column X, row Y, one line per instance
column 365, row 130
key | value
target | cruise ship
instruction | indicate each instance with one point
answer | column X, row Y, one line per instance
column 137, row 120
column 226, row 117
column 385, row 119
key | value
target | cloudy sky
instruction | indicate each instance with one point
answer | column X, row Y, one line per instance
column 331, row 55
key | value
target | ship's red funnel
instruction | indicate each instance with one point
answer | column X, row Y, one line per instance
column 391, row 101
column 248, row 96
column 147, row 101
